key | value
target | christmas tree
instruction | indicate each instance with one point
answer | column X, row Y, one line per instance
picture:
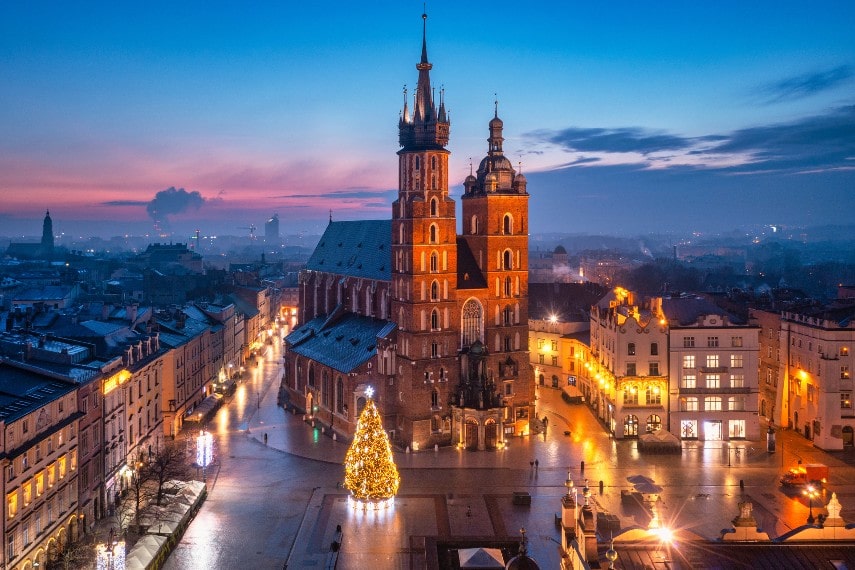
column 369, row 468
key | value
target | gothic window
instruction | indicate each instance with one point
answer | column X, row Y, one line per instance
column 434, row 320
column 508, row 290
column 433, row 233
column 418, row 162
column 326, row 394
column 339, row 396
column 433, row 163
column 434, row 398
column 434, row 206
column 434, row 262
column 434, row 291
column 473, row 225
column 507, row 344
column 311, row 376
column 508, row 225
column 472, row 325
column 508, row 260
column 506, row 316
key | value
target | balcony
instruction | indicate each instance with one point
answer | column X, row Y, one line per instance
column 713, row 369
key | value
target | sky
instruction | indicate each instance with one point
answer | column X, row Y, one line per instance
column 626, row 117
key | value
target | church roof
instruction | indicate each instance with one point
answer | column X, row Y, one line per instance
column 356, row 248
column 343, row 344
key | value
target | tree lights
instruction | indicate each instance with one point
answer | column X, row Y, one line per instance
column 370, row 472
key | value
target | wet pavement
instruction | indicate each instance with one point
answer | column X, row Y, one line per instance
column 279, row 503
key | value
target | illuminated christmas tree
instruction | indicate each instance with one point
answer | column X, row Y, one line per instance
column 369, row 468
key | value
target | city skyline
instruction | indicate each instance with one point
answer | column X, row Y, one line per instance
column 688, row 117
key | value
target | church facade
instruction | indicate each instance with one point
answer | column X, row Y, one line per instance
column 435, row 323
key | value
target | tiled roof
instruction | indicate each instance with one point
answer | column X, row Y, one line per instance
column 343, row 344
column 23, row 390
column 355, row 248
column 687, row 310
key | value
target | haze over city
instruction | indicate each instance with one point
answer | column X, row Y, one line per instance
column 632, row 118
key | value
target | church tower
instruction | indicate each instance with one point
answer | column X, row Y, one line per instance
column 424, row 263
column 47, row 237
column 495, row 229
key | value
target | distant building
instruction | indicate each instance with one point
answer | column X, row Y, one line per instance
column 41, row 250
column 271, row 229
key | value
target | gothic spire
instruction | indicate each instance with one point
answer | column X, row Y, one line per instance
column 427, row 129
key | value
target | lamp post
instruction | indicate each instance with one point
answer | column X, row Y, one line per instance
column 110, row 556
column 811, row 493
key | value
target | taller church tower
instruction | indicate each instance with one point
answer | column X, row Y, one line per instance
column 424, row 263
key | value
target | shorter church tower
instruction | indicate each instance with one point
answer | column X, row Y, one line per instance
column 47, row 237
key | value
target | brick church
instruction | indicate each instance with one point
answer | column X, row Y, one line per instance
column 432, row 322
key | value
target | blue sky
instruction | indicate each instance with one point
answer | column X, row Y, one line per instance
column 627, row 117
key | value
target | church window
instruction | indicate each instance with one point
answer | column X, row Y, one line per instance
column 418, row 163
column 508, row 291
column 508, row 225
column 434, row 291
column 339, row 396
column 472, row 317
column 311, row 376
column 433, row 163
column 434, row 262
column 434, row 205
column 434, row 320
column 508, row 260
column 433, row 233
column 506, row 316
column 434, row 350
column 507, row 344
column 473, row 225
column 433, row 181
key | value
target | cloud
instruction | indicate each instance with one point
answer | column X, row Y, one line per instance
column 173, row 201
column 626, row 139
column 125, row 203
column 805, row 85
column 822, row 141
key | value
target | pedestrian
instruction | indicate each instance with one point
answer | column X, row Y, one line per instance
column 531, row 463
column 469, row 510
column 536, row 464
column 265, row 438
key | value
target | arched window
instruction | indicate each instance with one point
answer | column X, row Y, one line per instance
column 473, row 225
column 418, row 162
column 630, row 395
column 508, row 290
column 434, row 320
column 434, row 262
column 312, row 376
column 507, row 316
column 653, row 395
column 433, row 163
column 339, row 396
column 508, row 260
column 433, row 233
column 508, row 225
column 654, row 423
column 472, row 322
column 434, row 208
column 434, row 291
column 630, row 426
column 401, row 233
column 326, row 393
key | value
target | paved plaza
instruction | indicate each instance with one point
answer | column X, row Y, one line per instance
column 280, row 503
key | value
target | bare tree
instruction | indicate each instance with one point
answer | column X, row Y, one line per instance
column 170, row 462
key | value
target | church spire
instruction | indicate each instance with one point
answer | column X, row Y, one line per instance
column 427, row 128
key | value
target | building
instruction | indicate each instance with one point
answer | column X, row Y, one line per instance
column 772, row 407
column 434, row 322
column 817, row 363
column 40, row 250
column 713, row 359
column 39, row 422
column 271, row 230
column 628, row 377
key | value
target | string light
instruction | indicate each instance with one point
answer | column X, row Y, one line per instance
column 370, row 473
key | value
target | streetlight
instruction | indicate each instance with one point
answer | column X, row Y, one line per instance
column 811, row 493
column 110, row 556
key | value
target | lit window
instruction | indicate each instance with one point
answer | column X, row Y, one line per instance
column 736, row 361
column 712, row 361
column 689, row 361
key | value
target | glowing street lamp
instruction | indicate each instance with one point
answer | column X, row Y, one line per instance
column 110, row 556
column 811, row 493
